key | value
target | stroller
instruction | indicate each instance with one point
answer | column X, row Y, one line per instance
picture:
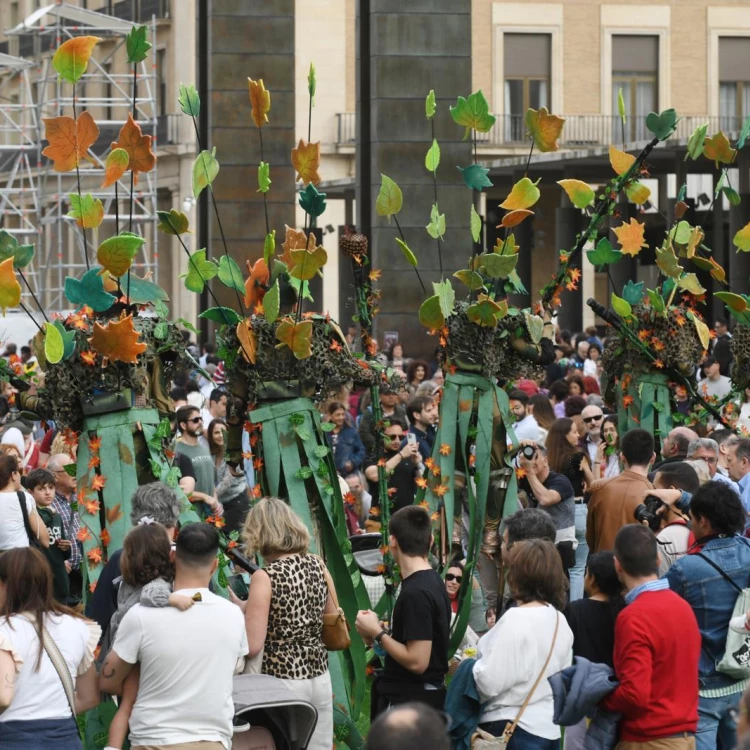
column 268, row 716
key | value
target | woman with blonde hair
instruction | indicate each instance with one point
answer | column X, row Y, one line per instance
column 285, row 607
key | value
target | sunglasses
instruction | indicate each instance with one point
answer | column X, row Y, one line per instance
column 400, row 436
column 451, row 577
column 588, row 420
column 195, row 420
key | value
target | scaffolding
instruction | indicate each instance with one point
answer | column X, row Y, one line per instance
column 63, row 249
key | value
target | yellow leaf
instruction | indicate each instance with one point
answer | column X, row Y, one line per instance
column 689, row 282
column 620, row 161
column 513, row 218
column 702, row 330
column 260, row 100
column 296, row 336
column 742, row 239
column 544, row 128
column 696, row 237
column 10, row 289
column 637, row 193
column 306, row 160
column 581, row 195
column 666, row 260
column 248, row 340
column 718, row 149
column 524, row 194
column 631, row 237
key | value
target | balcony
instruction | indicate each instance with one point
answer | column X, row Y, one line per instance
column 169, row 130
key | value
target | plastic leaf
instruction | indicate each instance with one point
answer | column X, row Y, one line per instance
column 475, row 176
column 475, row 223
column 535, row 326
column 581, row 195
column 514, row 218
column 429, row 105
column 68, row 339
column 524, row 194
column 485, row 312
column 621, row 106
column 471, row 278
column 260, row 100
column 446, row 296
column 172, row 222
column 140, row 156
column 620, row 161
column 603, row 254
column 200, row 270
column 115, row 166
column 189, row 100
column 264, row 177
column 271, row 302
column 666, row 260
column 663, row 124
column 637, row 193
column 89, row 290
column 436, row 227
column 709, row 264
column 248, row 340
column 296, row 336
column 744, row 133
column 116, row 254
column 230, row 274
column 631, row 237
column 311, row 201
column 10, row 289
column 702, row 330
column 742, row 239
column 205, row 169
column 221, row 315
column 621, row 307
column 306, row 160
column 142, row 291
column 633, row 293
column 117, row 341
column 432, row 160
column 717, row 149
column 498, row 266
column 9, row 248
column 69, row 140
column 137, row 44
column 306, row 264
column 430, row 315
column 311, row 83
column 657, row 301
column 255, row 284
column 732, row 195
column 734, row 302
column 390, row 199
column 269, row 246
column 53, row 344
column 473, row 113
column 86, row 210
column 544, row 128
column 72, row 57
column 408, row 254
column 696, row 142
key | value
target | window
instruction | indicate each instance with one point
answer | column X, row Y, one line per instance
column 635, row 72
column 161, row 81
column 734, row 82
column 108, row 92
column 526, row 66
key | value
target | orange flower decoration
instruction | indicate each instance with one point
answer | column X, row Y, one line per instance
column 421, row 482
column 105, row 538
column 255, row 284
column 335, row 346
column 627, row 401
column 520, row 472
column 257, row 491
column 440, row 490
column 95, row 556
column 90, row 506
column 94, row 461
column 92, row 586
column 88, row 358
column 98, row 483
column 83, row 534
column 95, row 443
column 445, row 449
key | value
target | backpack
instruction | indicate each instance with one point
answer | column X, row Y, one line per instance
column 735, row 662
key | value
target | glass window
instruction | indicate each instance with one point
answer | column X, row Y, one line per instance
column 635, row 63
column 734, row 82
column 526, row 63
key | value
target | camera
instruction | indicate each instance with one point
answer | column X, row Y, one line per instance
column 528, row 452
column 648, row 511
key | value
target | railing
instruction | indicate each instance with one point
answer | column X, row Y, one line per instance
column 136, row 10
column 168, row 129
column 579, row 131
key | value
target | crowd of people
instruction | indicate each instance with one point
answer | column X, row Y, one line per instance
column 620, row 615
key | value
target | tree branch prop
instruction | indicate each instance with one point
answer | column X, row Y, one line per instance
column 78, row 179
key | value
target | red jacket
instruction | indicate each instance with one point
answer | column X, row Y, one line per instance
column 657, row 646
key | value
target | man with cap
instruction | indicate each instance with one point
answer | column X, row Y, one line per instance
column 714, row 384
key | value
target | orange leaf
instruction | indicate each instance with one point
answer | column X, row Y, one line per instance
column 627, row 401
column 72, row 57
column 105, row 538
column 95, row 444
column 520, row 472
column 10, row 289
column 255, row 284
column 718, row 149
column 421, row 482
column 115, row 166
column 138, row 146
column 620, row 161
column 257, row 491
column 69, row 140
column 88, row 357
column 260, row 100
column 513, row 218
column 306, row 160
column 631, row 237
column 248, row 340
column 83, row 534
column 118, row 340
column 335, row 346
column 91, row 506
column 544, row 128
column 95, row 556
column 440, row 490
column 295, row 240
column 98, row 483
column 445, row 449
column 374, row 274
column 114, row 514
column 94, row 461
column 295, row 336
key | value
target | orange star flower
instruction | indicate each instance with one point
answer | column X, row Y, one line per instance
column 520, row 473
column 95, row 556
column 335, row 346
column 90, row 506
column 83, row 534
column 257, row 463
column 421, row 482
column 94, row 461
column 92, row 586
column 374, row 274
column 429, row 462
column 440, row 490
column 445, row 449
column 627, row 401
column 257, row 491
column 88, row 358
column 105, row 538
column 95, row 443
column 99, row 482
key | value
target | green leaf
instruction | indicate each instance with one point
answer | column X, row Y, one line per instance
column 269, row 247
column 436, row 227
column 390, row 199
column 86, row 210
column 54, row 347
column 205, row 169
column 302, row 290
column 161, row 308
column 432, row 160
column 264, row 177
column 189, row 100
column 720, row 184
column 662, row 125
column 475, row 176
column 498, row 266
column 430, row 314
column 689, row 282
column 322, row 451
column 535, row 327
column 580, row 193
column 633, row 293
column 271, row 302
column 408, row 254
column 621, row 106
column 304, row 472
column 161, row 329
column 22, row 254
column 187, row 324
column 172, row 222
column 429, row 105
column 471, row 278
column 657, row 301
column 621, row 306
column 683, row 192
column 735, row 302
column 732, row 195
column 230, row 274
column 222, row 315
column 116, row 254
column 475, row 223
column 486, row 312
column 137, row 45
column 327, row 426
column 666, row 260
column 200, row 270
column 604, row 253
column 516, row 285
column 311, row 201
column 89, row 291
column 68, row 338
column 744, row 133
column 473, row 113
column 311, row 84
column 142, row 291
column 446, row 296
column 681, row 233
column 695, row 143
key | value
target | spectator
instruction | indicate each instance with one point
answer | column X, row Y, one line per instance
column 438, row 377
column 553, row 493
column 177, row 398
column 18, row 529
column 543, row 413
column 590, row 363
column 362, row 498
column 574, row 406
column 190, row 424
column 209, row 348
column 721, row 346
column 591, row 388
column 714, row 385
column 607, row 462
column 559, row 390
column 738, row 465
column 613, row 501
column 592, row 417
column 171, row 648
column 707, row 450
column 409, row 726
column 525, row 426
column 348, row 451
column 64, row 503
column 422, row 412
column 657, row 670
column 217, row 406
column 417, row 371
column 396, row 359
column 35, row 709
column 231, row 483
column 722, row 437
column 675, row 445
column 391, row 410
column 529, row 640
column 708, row 579
column 743, row 420
column 575, row 384
column 416, row 648
column 582, row 353
column 13, row 438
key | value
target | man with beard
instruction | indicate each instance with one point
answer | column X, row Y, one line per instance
column 423, row 414
column 592, row 417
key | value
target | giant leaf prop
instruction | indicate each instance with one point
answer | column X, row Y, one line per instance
column 189, row 100
column 230, row 274
column 296, row 336
column 689, row 282
column 172, row 222
column 666, row 260
column 295, row 240
column 544, row 128
column 306, row 160
column 717, row 149
column 69, row 140
column 631, row 237
column 430, row 314
column 89, row 290
column 620, row 161
column 581, row 195
column 432, row 159
column 637, row 193
column 248, row 340
column 524, row 194
column 115, row 166
column 256, row 283
column 472, row 113
column 72, row 57
column 9, row 248
column 306, row 264
column 311, row 201
column 704, row 334
column 436, row 227
column 200, row 270
column 142, row 291
column 475, row 176
column 86, row 210
column 742, row 239
column 485, row 312
column 140, row 156
column 390, row 199
column 205, row 169
column 54, row 347
column 514, row 218
column 117, row 341
column 116, row 254
column 260, row 101
column 696, row 142
column 662, row 125
column 137, row 45
column 603, row 254
column 10, row 289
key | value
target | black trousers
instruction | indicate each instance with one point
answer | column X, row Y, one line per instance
column 385, row 695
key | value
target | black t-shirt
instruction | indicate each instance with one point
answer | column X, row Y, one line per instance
column 593, row 626
column 403, row 483
column 422, row 613
column 562, row 513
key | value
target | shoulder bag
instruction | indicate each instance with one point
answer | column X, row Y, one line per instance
column 33, row 538
column 335, row 627
column 482, row 740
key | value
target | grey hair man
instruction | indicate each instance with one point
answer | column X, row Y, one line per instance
column 592, row 417
column 706, row 449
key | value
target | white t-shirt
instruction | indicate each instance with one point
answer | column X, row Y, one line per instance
column 40, row 695
column 12, row 531
column 527, row 428
column 187, row 660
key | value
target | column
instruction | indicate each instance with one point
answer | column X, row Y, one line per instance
column 567, row 226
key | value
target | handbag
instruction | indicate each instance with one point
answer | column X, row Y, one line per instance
column 482, row 740
column 335, row 627
column 33, row 538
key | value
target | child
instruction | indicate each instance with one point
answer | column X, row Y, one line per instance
column 147, row 571
column 41, row 484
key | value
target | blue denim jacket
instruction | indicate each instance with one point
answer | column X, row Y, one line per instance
column 712, row 598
